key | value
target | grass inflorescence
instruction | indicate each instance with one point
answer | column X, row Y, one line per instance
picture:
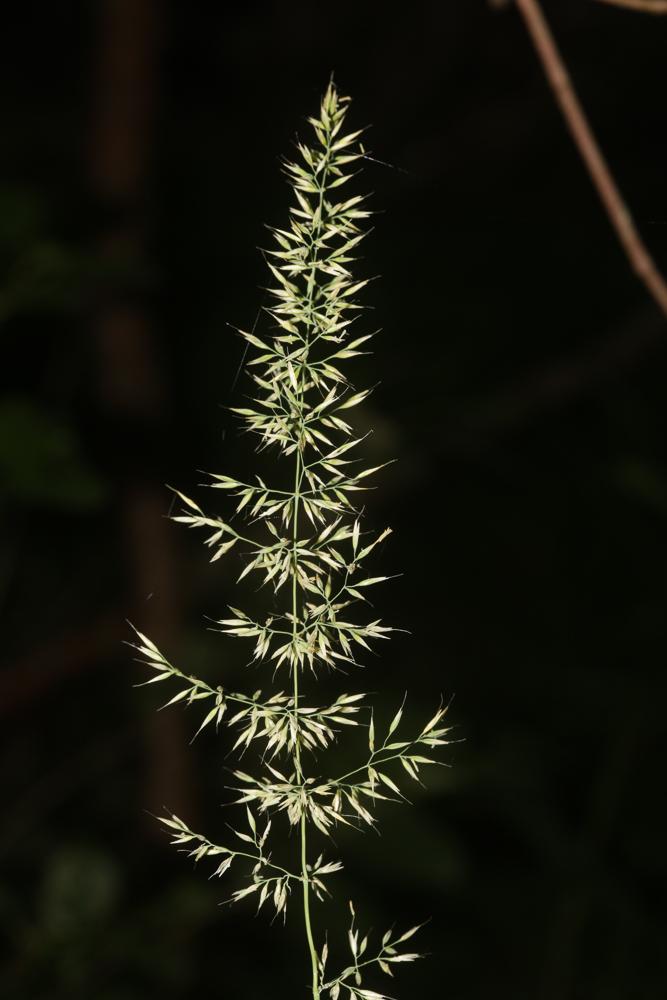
column 307, row 544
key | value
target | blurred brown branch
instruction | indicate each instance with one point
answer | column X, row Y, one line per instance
column 645, row 6
column 130, row 40
column 588, row 146
column 554, row 386
column 47, row 664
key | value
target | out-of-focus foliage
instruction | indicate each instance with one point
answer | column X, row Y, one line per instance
column 40, row 460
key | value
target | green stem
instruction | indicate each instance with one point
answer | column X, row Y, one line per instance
column 358, row 965
column 298, row 477
column 306, row 909
column 305, row 878
column 269, row 864
column 372, row 762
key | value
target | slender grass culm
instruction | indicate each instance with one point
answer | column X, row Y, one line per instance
column 307, row 543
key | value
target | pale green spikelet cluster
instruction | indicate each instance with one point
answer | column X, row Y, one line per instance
column 305, row 543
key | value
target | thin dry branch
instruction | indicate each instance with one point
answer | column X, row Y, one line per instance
column 588, row 146
column 644, row 6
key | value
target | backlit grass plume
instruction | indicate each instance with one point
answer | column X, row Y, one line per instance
column 306, row 544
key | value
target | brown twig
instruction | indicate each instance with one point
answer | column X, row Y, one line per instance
column 587, row 144
column 644, row 6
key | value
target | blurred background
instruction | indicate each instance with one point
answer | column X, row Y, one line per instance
column 521, row 370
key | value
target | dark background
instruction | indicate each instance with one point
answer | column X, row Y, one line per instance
column 522, row 370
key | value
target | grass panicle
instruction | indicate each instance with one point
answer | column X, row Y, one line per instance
column 307, row 545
